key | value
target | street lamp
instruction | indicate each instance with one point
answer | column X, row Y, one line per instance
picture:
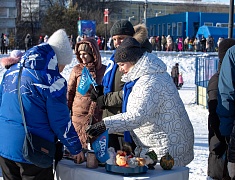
column 231, row 14
column 129, row 19
column 145, row 12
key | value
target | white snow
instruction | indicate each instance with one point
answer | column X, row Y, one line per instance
column 197, row 114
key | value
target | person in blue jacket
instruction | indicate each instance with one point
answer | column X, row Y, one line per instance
column 226, row 106
column 43, row 92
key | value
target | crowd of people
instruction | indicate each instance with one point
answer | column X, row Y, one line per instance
column 167, row 43
column 134, row 98
column 159, row 43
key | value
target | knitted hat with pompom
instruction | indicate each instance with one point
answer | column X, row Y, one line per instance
column 60, row 44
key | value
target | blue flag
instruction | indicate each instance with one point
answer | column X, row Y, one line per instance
column 85, row 82
column 100, row 146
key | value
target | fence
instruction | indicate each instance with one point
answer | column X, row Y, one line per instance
column 206, row 64
column 205, row 67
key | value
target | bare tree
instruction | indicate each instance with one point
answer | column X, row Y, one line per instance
column 67, row 18
column 28, row 21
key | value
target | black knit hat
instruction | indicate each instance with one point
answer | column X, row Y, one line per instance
column 129, row 51
column 122, row 27
column 224, row 45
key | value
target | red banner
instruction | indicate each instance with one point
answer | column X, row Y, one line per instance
column 106, row 16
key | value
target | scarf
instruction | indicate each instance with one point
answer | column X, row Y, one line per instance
column 127, row 90
column 109, row 75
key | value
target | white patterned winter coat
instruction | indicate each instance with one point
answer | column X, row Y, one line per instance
column 155, row 116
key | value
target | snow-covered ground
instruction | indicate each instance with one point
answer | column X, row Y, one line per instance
column 197, row 114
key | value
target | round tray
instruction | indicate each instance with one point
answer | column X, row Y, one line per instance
column 126, row 170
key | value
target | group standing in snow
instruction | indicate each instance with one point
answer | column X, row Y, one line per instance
column 136, row 99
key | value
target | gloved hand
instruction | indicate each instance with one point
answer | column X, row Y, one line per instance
column 220, row 149
column 100, row 102
column 96, row 93
column 231, row 169
column 96, row 129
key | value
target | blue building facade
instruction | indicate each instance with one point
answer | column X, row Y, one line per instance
column 185, row 24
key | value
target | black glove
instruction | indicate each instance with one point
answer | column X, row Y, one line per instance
column 220, row 149
column 100, row 102
column 96, row 129
column 96, row 92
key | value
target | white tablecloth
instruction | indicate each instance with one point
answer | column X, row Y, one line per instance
column 68, row 170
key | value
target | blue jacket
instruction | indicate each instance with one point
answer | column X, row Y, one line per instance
column 226, row 93
column 43, row 92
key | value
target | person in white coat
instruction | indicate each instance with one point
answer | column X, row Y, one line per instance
column 152, row 111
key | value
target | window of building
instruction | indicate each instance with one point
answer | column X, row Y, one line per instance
column 154, row 29
column 221, row 25
column 163, row 29
column 158, row 29
column 12, row 13
column 173, row 33
column 208, row 23
column 179, row 28
column 3, row 12
column 168, row 29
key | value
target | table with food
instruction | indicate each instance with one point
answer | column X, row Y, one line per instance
column 121, row 165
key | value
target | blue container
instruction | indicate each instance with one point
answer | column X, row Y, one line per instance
column 126, row 171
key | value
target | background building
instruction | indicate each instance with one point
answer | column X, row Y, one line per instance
column 135, row 10
column 187, row 24
column 20, row 17
column 8, row 14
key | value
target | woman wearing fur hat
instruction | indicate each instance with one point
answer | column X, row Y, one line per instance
column 152, row 109
column 111, row 100
column 81, row 107
column 43, row 92
column 14, row 58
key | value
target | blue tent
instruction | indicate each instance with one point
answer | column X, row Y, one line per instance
column 215, row 32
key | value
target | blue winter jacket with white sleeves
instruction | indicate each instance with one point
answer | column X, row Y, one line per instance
column 43, row 92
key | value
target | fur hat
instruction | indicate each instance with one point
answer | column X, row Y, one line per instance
column 129, row 51
column 122, row 27
column 16, row 54
column 85, row 47
column 60, row 44
column 14, row 58
column 224, row 45
column 141, row 35
column 7, row 62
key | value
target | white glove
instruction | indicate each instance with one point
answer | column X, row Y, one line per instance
column 231, row 169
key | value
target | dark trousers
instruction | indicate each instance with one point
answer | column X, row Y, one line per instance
column 22, row 171
column 2, row 49
column 5, row 49
column 175, row 80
